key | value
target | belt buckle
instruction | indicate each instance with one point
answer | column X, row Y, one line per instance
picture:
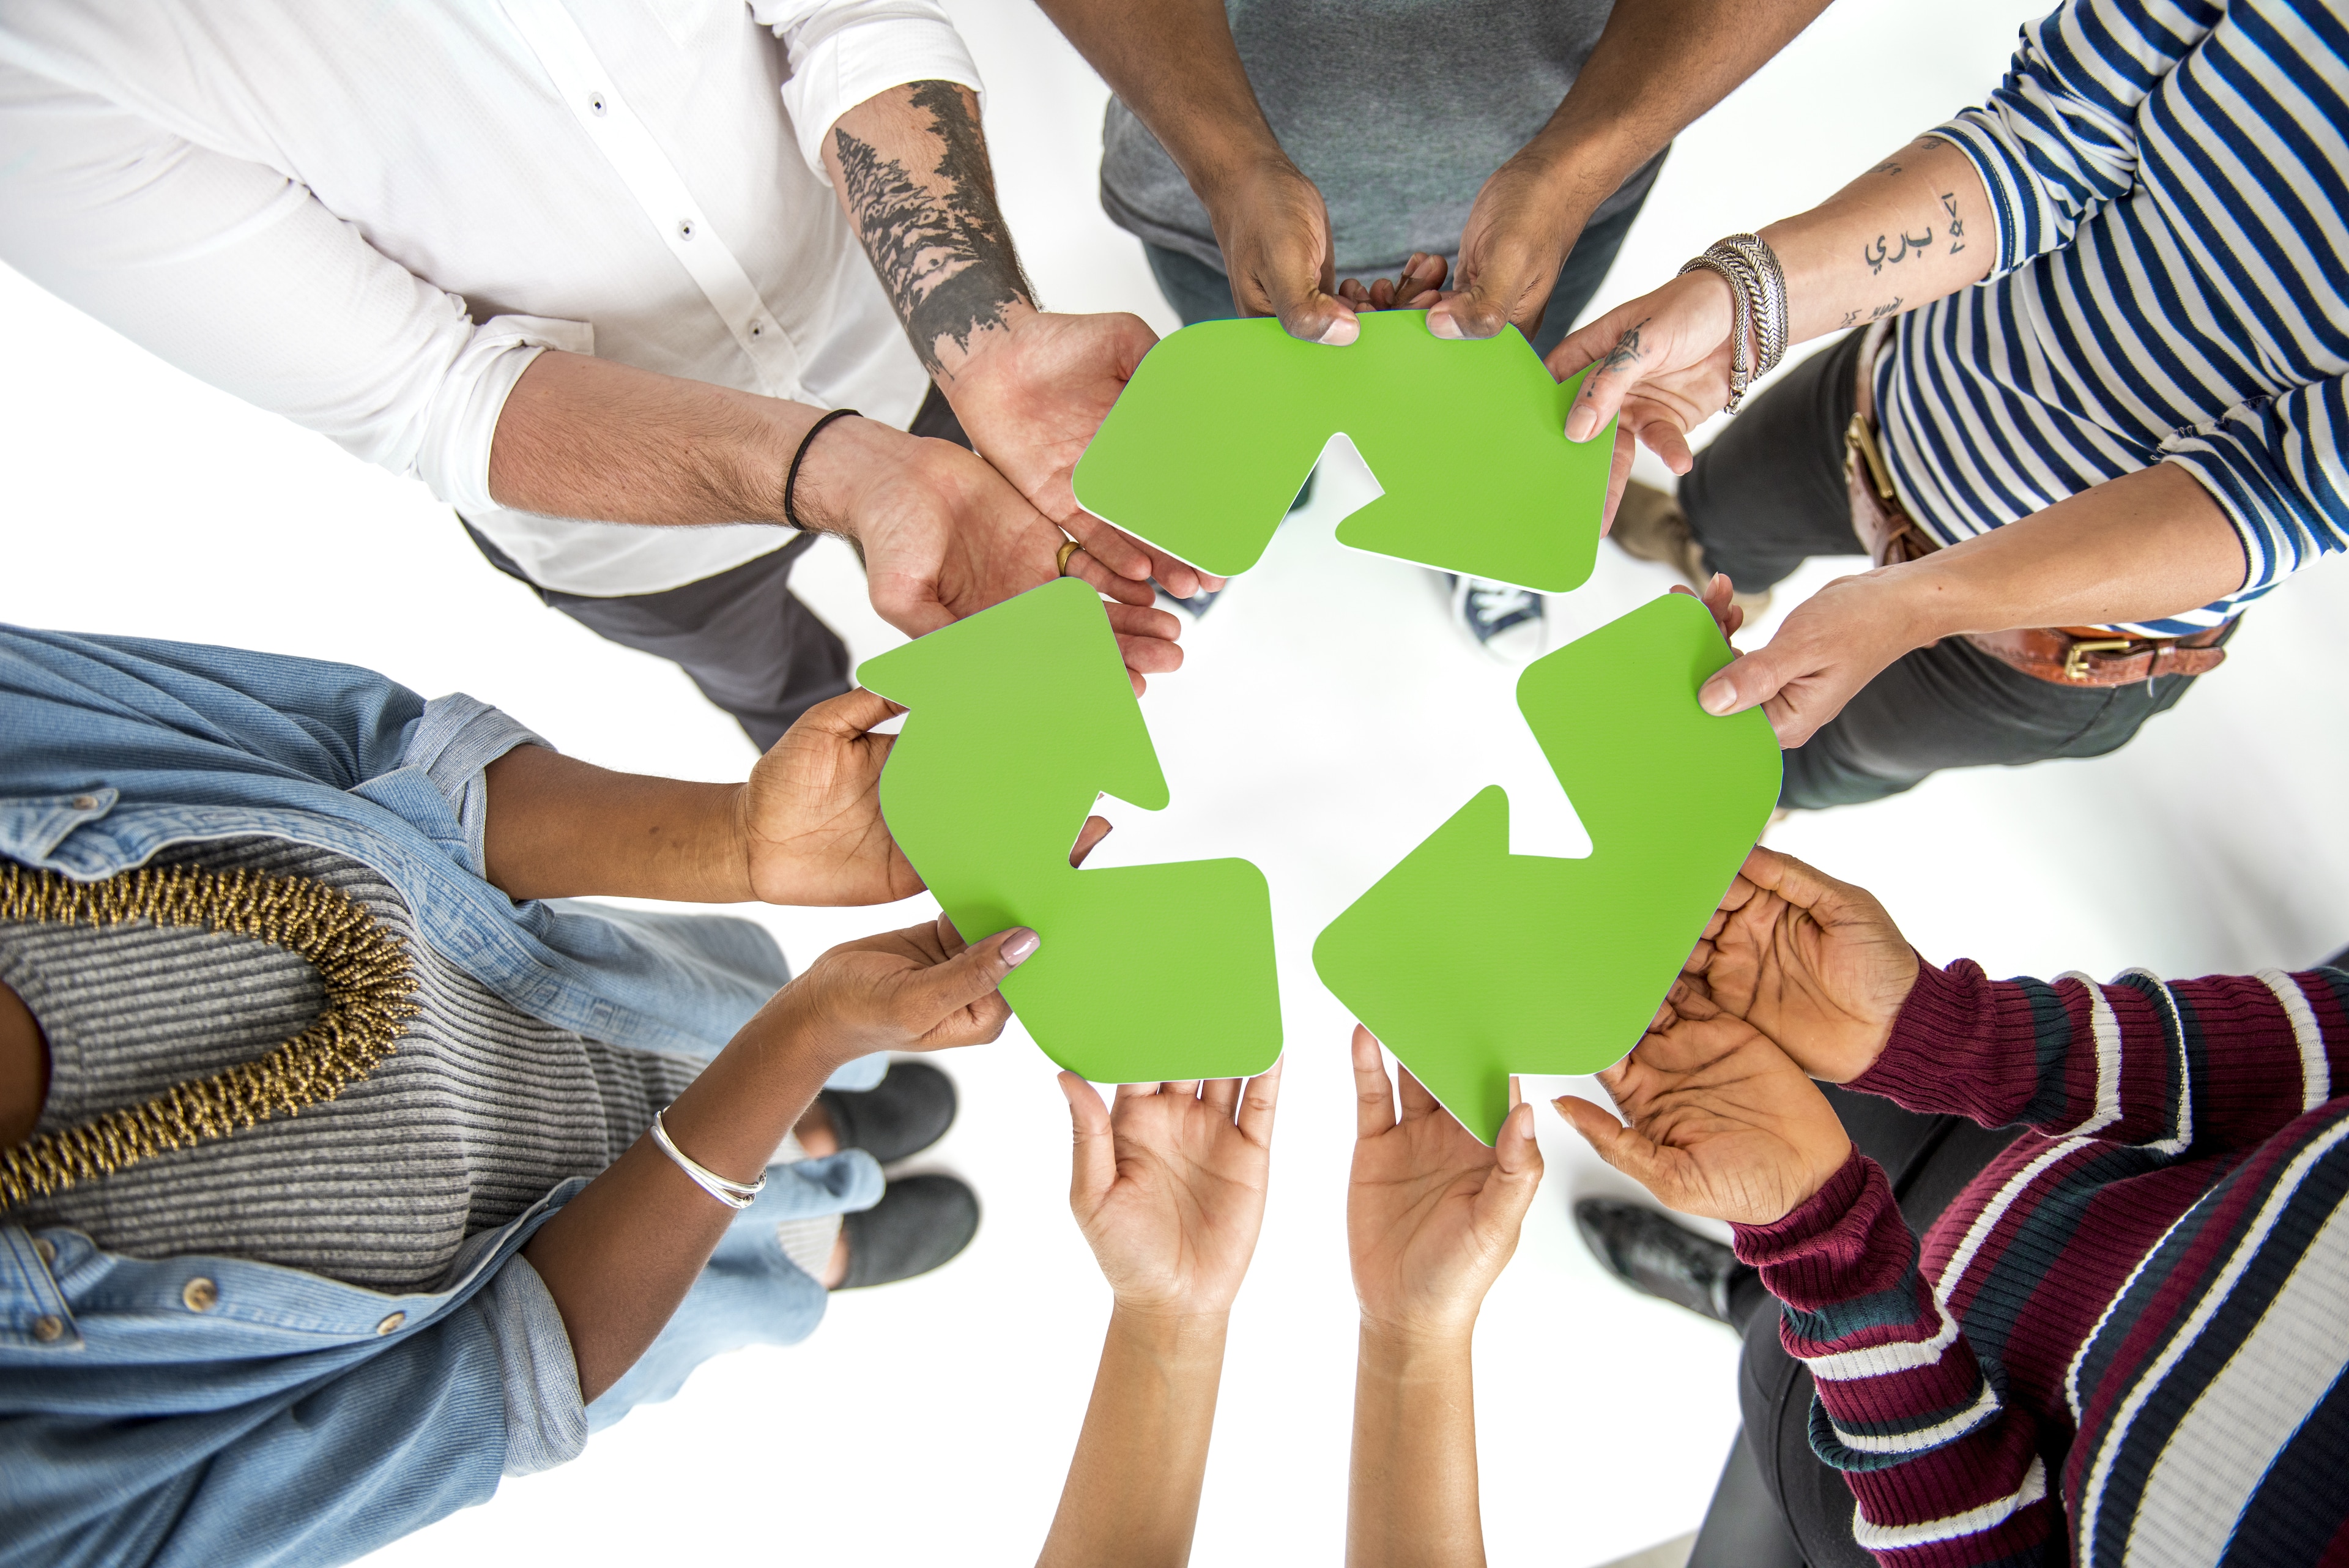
column 2075, row 658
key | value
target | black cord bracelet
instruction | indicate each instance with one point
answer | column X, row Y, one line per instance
column 792, row 479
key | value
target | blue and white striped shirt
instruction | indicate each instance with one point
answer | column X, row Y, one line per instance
column 2170, row 183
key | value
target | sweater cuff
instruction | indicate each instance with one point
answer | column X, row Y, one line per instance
column 1812, row 1225
column 1964, row 1044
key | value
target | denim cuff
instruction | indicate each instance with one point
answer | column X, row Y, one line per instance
column 546, row 1422
column 456, row 739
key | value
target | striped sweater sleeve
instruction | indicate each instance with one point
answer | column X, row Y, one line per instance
column 2058, row 139
column 2217, row 1062
column 1943, row 1471
column 2275, row 467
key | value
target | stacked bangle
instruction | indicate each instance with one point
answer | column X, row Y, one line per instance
column 733, row 1194
column 1757, row 292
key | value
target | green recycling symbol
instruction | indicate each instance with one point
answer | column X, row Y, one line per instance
column 1469, row 962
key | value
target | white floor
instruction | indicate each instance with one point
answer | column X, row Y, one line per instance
column 1326, row 720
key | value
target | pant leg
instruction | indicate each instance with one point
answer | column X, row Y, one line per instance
column 1768, row 493
column 1952, row 706
column 1197, row 292
column 1743, row 1528
column 745, row 639
column 1929, row 1160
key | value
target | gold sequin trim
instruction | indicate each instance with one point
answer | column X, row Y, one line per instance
column 368, row 982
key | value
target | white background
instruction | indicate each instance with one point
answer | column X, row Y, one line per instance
column 1327, row 719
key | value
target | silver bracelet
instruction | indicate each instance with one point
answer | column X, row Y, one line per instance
column 733, row 1194
column 1757, row 293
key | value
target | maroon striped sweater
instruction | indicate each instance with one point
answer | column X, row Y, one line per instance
column 2125, row 1341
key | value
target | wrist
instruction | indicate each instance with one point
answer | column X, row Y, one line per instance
column 1172, row 1330
column 960, row 360
column 1404, row 1351
column 836, row 468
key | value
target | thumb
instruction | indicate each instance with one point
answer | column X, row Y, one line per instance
column 970, row 976
column 1093, row 1162
column 1747, row 682
column 1618, row 1144
column 1314, row 317
column 1480, row 310
column 1519, row 1158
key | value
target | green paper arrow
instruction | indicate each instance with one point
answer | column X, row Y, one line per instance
column 1020, row 717
column 1471, row 963
column 1207, row 446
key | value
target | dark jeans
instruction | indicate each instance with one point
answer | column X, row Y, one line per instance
column 1765, row 496
column 747, row 641
column 1201, row 293
column 1778, row 1505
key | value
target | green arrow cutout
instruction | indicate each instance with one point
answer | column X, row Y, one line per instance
column 1222, row 422
column 1471, row 963
column 1020, row 717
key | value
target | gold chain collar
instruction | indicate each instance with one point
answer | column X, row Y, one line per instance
column 368, row 982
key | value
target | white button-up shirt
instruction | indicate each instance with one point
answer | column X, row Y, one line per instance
column 371, row 219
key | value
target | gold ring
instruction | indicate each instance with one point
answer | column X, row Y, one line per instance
column 1060, row 565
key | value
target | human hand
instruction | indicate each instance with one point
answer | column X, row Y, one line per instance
column 1814, row 963
column 1168, row 1184
column 1432, row 1215
column 1274, row 230
column 920, row 989
column 944, row 535
column 1828, row 646
column 1722, row 1123
column 809, row 820
column 1031, row 397
column 1519, row 231
column 1659, row 364
column 1418, row 285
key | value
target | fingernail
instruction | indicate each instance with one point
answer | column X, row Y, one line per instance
column 1017, row 948
column 1580, row 423
column 1340, row 332
column 1717, row 698
column 1440, row 322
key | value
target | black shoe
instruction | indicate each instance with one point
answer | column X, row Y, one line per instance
column 920, row 1223
column 1646, row 1251
column 901, row 1114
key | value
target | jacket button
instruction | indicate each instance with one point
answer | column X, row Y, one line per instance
column 201, row 1294
column 391, row 1323
column 48, row 1330
column 46, row 1248
column 85, row 803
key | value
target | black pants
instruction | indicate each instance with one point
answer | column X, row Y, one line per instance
column 1768, row 495
column 1778, row 1505
column 750, row 643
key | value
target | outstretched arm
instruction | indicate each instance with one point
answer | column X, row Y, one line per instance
column 1657, row 66
column 1431, row 1218
column 1168, row 1187
column 912, row 172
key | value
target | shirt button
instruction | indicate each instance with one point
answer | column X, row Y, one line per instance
column 85, row 803
column 597, row 103
column 201, row 1294
column 685, row 228
column 46, row 1248
column 48, row 1330
column 391, row 1323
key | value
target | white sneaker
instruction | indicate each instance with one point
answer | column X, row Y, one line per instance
column 1507, row 623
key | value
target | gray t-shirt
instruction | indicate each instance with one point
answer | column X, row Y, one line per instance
column 1398, row 109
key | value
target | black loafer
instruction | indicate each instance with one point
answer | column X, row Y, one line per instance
column 901, row 1114
column 920, row 1223
column 1645, row 1250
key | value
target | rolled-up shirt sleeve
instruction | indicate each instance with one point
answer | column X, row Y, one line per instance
column 2275, row 468
column 842, row 52
column 239, row 276
column 2058, row 139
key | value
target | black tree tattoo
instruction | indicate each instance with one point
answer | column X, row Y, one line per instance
column 946, row 258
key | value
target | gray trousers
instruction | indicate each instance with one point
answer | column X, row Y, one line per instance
column 750, row 643
column 1766, row 495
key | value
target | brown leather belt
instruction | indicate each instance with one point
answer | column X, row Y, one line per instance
column 2066, row 655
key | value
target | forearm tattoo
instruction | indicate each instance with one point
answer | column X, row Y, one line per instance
column 946, row 258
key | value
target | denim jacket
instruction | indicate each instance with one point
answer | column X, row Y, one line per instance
column 291, row 1419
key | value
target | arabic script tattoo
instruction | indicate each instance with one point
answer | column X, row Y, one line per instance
column 1882, row 252
column 945, row 256
column 1956, row 225
column 1883, row 310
